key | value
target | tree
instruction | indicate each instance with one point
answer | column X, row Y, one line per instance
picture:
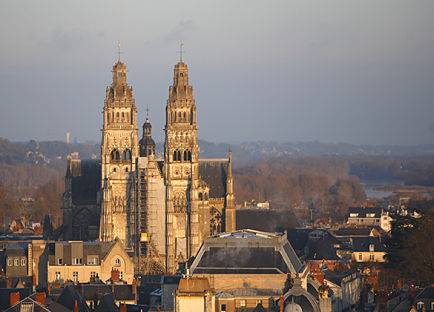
column 410, row 251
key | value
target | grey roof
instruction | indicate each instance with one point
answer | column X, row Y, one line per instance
column 107, row 304
column 353, row 232
column 336, row 277
column 246, row 252
column 89, row 248
column 85, row 180
column 69, row 296
column 363, row 211
column 265, row 220
column 323, row 248
column 214, row 173
column 361, row 244
column 426, row 293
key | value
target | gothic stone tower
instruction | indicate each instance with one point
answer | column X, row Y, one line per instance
column 119, row 149
column 181, row 170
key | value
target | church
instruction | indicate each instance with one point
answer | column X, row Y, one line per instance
column 160, row 209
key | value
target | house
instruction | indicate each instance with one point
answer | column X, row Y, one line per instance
column 424, row 301
column 80, row 261
column 346, row 288
column 194, row 294
column 369, row 216
column 368, row 249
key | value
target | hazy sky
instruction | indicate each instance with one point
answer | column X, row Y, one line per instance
column 333, row 71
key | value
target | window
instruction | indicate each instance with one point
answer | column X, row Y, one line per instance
column 420, row 305
column 92, row 260
column 259, row 301
column 57, row 276
column 75, row 276
column 92, row 274
column 16, row 262
column 371, row 257
column 10, row 262
column 60, row 261
column 243, row 303
column 223, row 308
column 23, row 261
column 371, row 247
column 360, row 257
column 77, row 261
column 121, row 275
column 117, row 261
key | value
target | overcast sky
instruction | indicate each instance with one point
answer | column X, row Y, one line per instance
column 333, row 71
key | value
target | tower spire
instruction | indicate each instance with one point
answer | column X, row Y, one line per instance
column 119, row 51
column 181, row 44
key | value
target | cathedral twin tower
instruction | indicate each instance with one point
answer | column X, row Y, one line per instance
column 162, row 209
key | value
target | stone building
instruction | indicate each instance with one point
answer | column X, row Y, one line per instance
column 161, row 208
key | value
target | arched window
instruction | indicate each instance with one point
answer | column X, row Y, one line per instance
column 114, row 155
column 113, row 116
column 117, row 116
column 126, row 155
column 185, row 155
column 175, row 116
column 108, row 117
column 185, row 116
column 123, row 115
column 174, row 155
column 126, row 169
column 179, row 115
column 179, row 156
column 189, row 155
column 200, row 196
column 205, row 196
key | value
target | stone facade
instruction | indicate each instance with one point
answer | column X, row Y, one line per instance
column 161, row 208
column 119, row 149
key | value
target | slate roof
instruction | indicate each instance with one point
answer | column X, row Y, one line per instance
column 89, row 248
column 107, row 304
column 69, row 296
column 265, row 220
column 426, row 293
column 362, row 212
column 246, row 252
column 336, row 277
column 323, row 248
column 85, row 180
column 214, row 173
column 5, row 298
column 361, row 244
column 353, row 232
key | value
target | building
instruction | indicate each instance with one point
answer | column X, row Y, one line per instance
column 161, row 208
column 369, row 216
column 194, row 294
column 368, row 249
column 82, row 262
column 249, row 269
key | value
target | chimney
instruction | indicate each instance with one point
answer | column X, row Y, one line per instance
column 15, row 297
column 134, row 291
column 123, row 307
column 40, row 298
column 75, row 306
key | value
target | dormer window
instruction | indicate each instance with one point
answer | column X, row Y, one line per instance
column 371, row 247
column 117, row 262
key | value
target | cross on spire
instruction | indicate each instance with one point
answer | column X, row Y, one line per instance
column 181, row 44
column 119, row 51
column 147, row 112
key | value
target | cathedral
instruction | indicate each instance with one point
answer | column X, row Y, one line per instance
column 161, row 209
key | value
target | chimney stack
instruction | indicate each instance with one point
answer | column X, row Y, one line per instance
column 15, row 297
column 40, row 298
